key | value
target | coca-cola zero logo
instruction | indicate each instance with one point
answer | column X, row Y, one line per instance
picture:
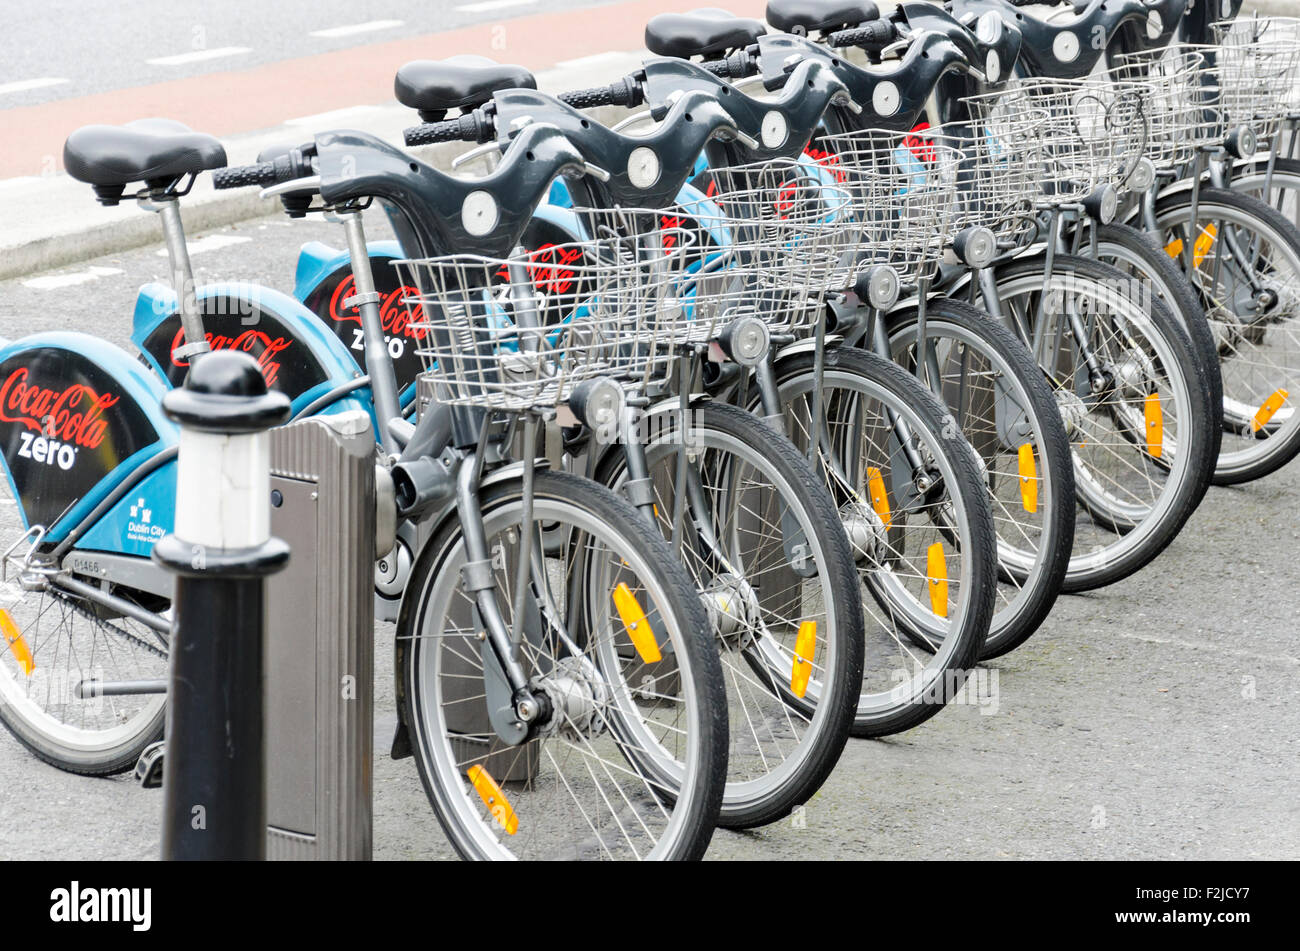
column 56, row 419
column 394, row 315
column 263, row 346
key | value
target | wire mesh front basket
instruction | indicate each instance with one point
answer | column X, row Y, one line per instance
column 1179, row 107
column 901, row 189
column 1255, row 67
column 782, row 233
column 997, row 174
column 1094, row 132
column 518, row 333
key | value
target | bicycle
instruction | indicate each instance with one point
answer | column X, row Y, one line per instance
column 681, row 785
column 763, row 544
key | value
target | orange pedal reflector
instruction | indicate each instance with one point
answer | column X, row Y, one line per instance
column 1267, row 409
column 1028, row 478
column 636, row 624
column 879, row 497
column 937, row 579
column 1155, row 425
column 493, row 798
column 17, row 646
column 805, row 646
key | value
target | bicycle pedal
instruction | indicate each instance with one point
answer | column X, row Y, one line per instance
column 149, row 767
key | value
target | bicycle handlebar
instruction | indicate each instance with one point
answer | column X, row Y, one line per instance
column 739, row 65
column 284, row 168
column 263, row 173
column 873, row 36
column 625, row 92
column 468, row 128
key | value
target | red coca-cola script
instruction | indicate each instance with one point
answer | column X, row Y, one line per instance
column 263, row 346
column 73, row 415
column 394, row 315
column 829, row 161
column 922, row 147
column 549, row 268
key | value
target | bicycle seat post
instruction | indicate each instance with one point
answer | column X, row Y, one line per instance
column 379, row 364
column 167, row 206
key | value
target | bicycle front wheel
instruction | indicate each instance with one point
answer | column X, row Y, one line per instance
column 916, row 510
column 763, row 544
column 1246, row 268
column 1135, row 401
column 631, row 762
column 999, row 399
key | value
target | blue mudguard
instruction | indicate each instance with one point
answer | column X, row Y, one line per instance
column 298, row 355
column 78, row 417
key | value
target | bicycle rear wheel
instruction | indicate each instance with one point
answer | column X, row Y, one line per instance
column 632, row 761
column 52, row 642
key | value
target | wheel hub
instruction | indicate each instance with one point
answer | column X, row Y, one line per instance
column 866, row 531
column 576, row 698
column 732, row 607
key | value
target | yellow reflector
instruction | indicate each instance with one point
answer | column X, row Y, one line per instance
column 1155, row 428
column 805, row 646
column 493, row 798
column 1267, row 409
column 1203, row 244
column 638, row 628
column 1028, row 479
column 879, row 498
column 937, row 579
column 18, row 646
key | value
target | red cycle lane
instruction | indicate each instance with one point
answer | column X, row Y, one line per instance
column 230, row 103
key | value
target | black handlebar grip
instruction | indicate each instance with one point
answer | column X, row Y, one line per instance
column 244, row 176
column 739, row 65
column 625, row 92
column 588, row 98
column 873, row 36
column 466, row 128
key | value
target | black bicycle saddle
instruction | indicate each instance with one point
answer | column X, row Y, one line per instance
column 435, row 86
column 645, row 171
column 824, row 16
column 704, row 32
column 1062, row 47
column 153, row 151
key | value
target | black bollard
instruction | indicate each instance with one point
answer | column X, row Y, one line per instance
column 214, row 772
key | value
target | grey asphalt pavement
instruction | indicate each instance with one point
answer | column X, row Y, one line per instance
column 68, row 39
column 1158, row 718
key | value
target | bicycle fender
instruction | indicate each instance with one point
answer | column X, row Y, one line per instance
column 296, row 352
column 77, row 417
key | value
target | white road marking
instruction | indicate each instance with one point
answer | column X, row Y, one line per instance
column 332, row 117
column 51, row 281
column 595, row 59
column 212, row 242
column 23, row 85
column 337, row 31
column 487, row 5
column 198, row 56
column 18, row 181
